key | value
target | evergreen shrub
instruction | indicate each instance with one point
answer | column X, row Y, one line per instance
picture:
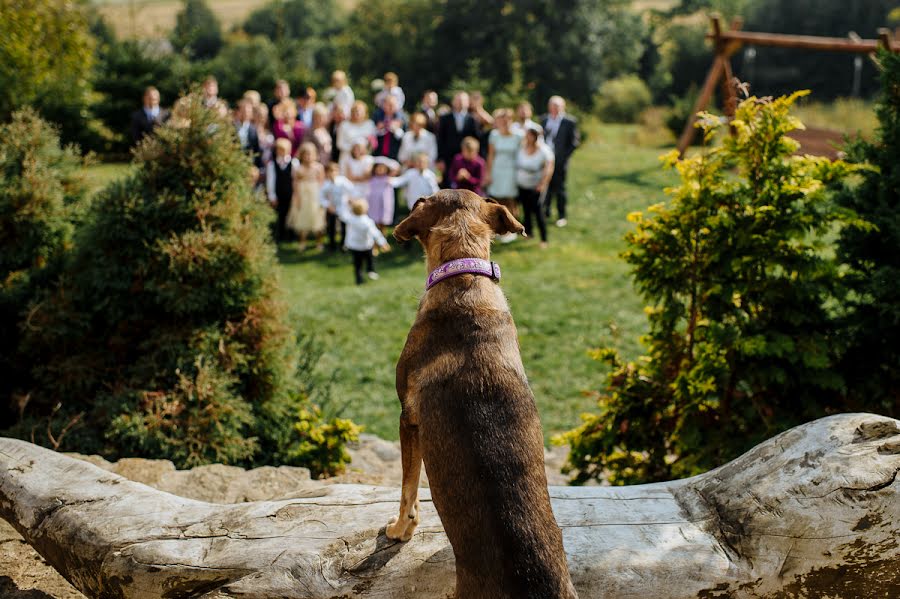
column 168, row 335
column 738, row 279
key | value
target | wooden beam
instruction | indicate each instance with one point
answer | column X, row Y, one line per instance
column 807, row 42
column 886, row 38
column 712, row 78
column 729, row 93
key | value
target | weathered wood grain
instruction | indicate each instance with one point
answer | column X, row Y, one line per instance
column 813, row 512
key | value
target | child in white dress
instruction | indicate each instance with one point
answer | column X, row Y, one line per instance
column 417, row 182
column 307, row 215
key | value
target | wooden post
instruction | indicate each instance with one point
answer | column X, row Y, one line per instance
column 720, row 69
column 712, row 78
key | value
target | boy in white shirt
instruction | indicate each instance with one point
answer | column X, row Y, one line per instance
column 417, row 182
column 336, row 192
column 362, row 235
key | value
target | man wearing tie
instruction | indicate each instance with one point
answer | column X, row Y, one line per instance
column 246, row 131
column 453, row 127
column 561, row 134
column 146, row 119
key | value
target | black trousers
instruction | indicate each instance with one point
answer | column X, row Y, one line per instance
column 362, row 258
column 557, row 189
column 281, row 230
column 331, row 227
column 530, row 200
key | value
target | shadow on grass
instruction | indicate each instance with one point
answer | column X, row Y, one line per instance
column 638, row 178
column 401, row 256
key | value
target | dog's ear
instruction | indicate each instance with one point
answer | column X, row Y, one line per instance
column 500, row 219
column 419, row 221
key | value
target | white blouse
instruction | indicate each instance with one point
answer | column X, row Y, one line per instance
column 349, row 133
column 530, row 167
column 410, row 146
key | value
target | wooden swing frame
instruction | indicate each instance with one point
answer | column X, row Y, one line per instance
column 726, row 42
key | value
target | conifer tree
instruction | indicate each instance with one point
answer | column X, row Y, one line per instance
column 872, row 362
column 41, row 196
column 168, row 335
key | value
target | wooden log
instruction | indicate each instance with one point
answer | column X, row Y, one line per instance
column 813, row 512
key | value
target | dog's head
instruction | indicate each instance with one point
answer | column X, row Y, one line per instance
column 456, row 223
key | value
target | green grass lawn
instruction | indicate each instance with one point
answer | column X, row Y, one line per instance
column 566, row 300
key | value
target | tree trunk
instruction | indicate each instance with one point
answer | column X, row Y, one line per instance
column 813, row 512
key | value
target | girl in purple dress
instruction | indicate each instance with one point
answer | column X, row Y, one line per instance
column 381, row 192
column 287, row 125
column 467, row 169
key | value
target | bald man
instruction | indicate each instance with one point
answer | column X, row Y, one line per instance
column 561, row 134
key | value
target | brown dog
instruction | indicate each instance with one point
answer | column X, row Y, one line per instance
column 468, row 412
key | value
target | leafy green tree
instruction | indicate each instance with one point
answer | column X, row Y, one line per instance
column 294, row 19
column 872, row 363
column 167, row 335
column 46, row 53
column 383, row 35
column 122, row 73
column 42, row 196
column 246, row 64
column 738, row 282
column 197, row 32
column 567, row 48
column 305, row 33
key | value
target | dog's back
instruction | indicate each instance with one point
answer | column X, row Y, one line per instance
column 470, row 416
column 483, row 451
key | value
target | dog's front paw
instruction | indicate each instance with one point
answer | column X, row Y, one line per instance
column 402, row 529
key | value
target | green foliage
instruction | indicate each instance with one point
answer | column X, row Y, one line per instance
column 737, row 279
column 167, row 333
column 42, row 196
column 872, row 325
column 293, row 19
column 322, row 447
column 623, row 99
column 304, row 33
column 123, row 71
column 565, row 48
column 684, row 59
column 46, row 52
column 246, row 64
column 197, row 32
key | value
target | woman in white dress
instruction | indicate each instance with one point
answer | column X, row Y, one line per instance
column 359, row 126
column 418, row 140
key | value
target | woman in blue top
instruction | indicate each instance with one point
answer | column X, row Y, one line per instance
column 503, row 145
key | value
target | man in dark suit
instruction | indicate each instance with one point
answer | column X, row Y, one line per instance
column 561, row 134
column 453, row 127
column 246, row 131
column 428, row 107
column 145, row 120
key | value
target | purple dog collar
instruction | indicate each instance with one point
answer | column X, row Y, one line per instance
column 463, row 266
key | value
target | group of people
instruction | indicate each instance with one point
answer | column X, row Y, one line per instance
column 329, row 169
